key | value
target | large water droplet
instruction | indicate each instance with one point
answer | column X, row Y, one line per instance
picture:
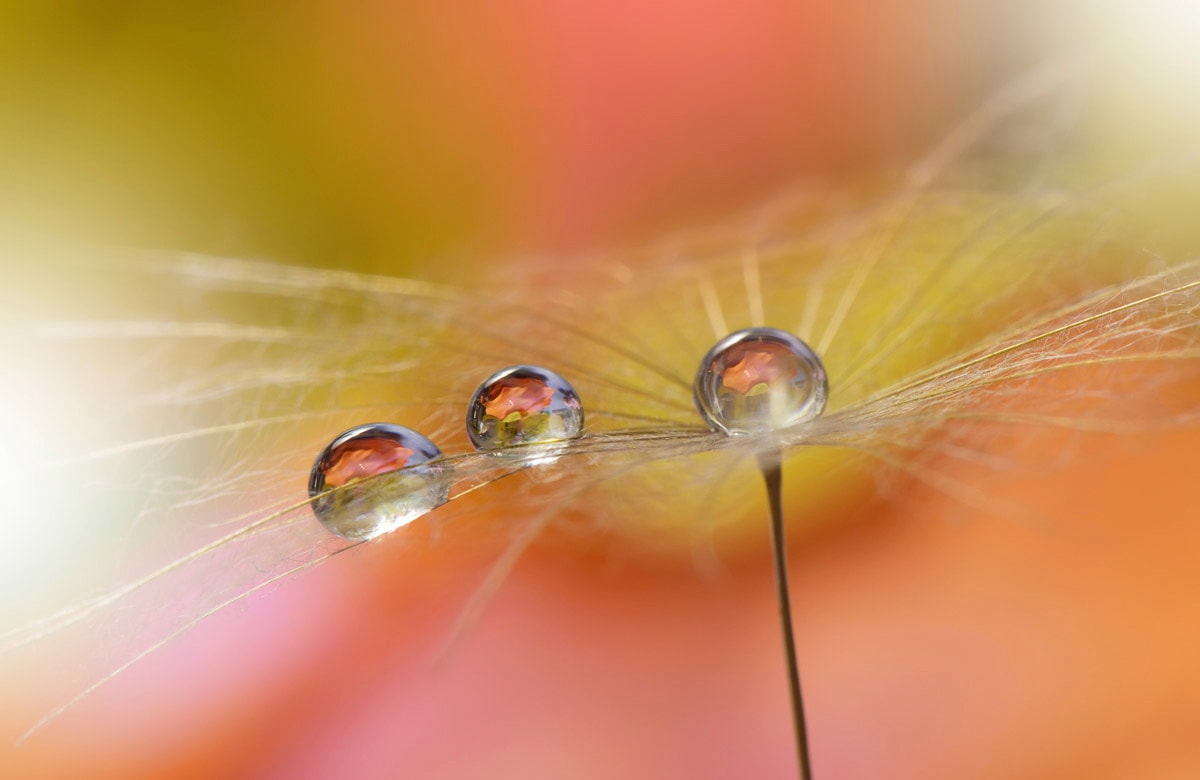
column 759, row 380
column 382, row 482
column 523, row 405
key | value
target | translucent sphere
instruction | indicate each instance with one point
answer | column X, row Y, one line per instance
column 382, row 482
column 759, row 380
column 523, row 405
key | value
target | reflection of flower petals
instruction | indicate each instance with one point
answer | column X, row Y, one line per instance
column 520, row 395
column 756, row 363
column 364, row 458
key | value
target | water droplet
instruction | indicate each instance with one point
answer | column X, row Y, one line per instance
column 523, row 405
column 383, row 482
column 759, row 380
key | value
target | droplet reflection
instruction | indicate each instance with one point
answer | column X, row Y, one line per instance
column 523, row 405
column 759, row 380
column 382, row 484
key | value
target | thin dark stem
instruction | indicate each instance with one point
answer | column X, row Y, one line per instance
column 772, row 472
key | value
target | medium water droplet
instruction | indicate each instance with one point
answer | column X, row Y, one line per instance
column 523, row 405
column 759, row 380
column 382, row 482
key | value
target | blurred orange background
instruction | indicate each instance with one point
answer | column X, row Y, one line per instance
column 432, row 139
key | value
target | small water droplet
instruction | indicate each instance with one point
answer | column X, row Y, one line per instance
column 383, row 484
column 523, row 405
column 759, row 380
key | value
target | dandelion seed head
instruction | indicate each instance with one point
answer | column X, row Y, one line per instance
column 955, row 321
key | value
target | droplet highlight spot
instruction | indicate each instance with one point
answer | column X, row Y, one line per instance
column 759, row 380
column 523, row 405
column 382, row 480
